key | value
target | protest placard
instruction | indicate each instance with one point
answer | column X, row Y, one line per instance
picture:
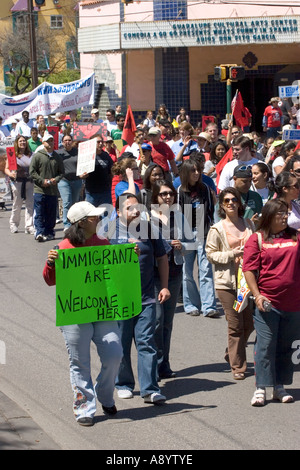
column 87, row 130
column 11, row 158
column 99, row 283
column 86, row 157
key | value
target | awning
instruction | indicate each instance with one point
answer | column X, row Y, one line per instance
column 22, row 5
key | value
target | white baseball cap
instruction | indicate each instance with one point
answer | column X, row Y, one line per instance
column 83, row 209
column 47, row 136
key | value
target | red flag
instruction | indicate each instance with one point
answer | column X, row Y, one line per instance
column 219, row 167
column 129, row 129
column 239, row 112
column 297, row 146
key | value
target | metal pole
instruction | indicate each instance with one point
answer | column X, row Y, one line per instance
column 33, row 61
column 228, row 96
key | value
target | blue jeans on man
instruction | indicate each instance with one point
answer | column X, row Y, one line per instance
column 70, row 194
column 44, row 214
column 141, row 330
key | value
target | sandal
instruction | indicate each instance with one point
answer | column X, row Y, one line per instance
column 239, row 376
column 282, row 395
column 259, row 397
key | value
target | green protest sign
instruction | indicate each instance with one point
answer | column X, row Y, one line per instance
column 98, row 283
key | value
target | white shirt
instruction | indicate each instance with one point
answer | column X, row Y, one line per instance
column 110, row 125
column 24, row 128
column 279, row 161
column 226, row 178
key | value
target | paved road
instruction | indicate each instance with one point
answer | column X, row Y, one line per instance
column 206, row 409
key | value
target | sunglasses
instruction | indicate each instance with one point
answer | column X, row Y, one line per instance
column 228, row 200
column 166, row 193
column 297, row 171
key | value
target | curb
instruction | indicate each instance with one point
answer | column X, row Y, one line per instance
column 18, row 431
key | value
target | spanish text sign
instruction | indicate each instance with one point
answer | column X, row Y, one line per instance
column 99, row 283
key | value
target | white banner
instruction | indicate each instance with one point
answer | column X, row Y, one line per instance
column 48, row 99
column 86, row 157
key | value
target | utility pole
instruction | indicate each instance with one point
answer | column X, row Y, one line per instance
column 33, row 60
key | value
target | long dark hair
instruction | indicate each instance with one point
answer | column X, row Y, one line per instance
column 282, row 181
column 290, row 145
column 156, row 190
column 147, row 174
column 235, row 193
column 75, row 234
column 212, row 155
column 185, row 170
column 268, row 213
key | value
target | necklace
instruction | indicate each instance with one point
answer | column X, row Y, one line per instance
column 277, row 235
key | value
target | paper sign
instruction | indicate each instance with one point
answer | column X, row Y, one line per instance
column 99, row 283
column 291, row 134
column 291, row 91
column 11, row 158
column 86, row 157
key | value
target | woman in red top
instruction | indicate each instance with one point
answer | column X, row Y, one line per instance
column 271, row 265
column 272, row 118
column 84, row 218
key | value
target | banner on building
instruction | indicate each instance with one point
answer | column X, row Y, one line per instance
column 48, row 99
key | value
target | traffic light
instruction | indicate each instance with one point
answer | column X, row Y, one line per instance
column 40, row 3
column 221, row 73
column 236, row 73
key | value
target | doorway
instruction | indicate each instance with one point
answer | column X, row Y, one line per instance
column 256, row 93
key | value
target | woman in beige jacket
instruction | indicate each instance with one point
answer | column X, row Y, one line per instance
column 224, row 248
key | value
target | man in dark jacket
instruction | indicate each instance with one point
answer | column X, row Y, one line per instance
column 46, row 170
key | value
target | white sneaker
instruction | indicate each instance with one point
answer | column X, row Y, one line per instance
column 125, row 393
column 154, row 398
column 14, row 229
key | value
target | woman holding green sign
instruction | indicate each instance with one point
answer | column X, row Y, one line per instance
column 84, row 218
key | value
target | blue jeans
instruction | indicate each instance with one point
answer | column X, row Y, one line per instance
column 140, row 329
column 44, row 214
column 70, row 193
column 164, row 323
column 97, row 199
column 203, row 298
column 273, row 132
column 275, row 333
column 106, row 336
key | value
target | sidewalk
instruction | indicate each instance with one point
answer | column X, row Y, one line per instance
column 18, row 431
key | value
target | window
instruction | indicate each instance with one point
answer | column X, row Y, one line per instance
column 21, row 23
column 56, row 22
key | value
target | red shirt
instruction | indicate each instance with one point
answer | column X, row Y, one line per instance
column 161, row 154
column 49, row 271
column 273, row 116
column 278, row 263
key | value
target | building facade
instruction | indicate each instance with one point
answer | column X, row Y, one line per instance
column 149, row 52
column 58, row 18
